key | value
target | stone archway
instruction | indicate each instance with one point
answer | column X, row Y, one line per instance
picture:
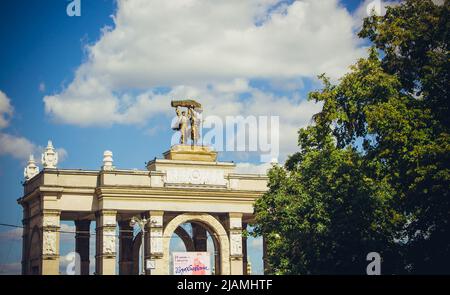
column 216, row 229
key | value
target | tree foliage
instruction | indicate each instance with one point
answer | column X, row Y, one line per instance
column 372, row 172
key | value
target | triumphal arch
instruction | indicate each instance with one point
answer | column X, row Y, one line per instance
column 186, row 185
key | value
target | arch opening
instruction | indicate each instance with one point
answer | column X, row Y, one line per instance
column 212, row 227
column 195, row 237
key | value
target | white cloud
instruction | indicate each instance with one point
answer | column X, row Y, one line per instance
column 189, row 45
column 21, row 148
column 235, row 86
column 173, row 42
column 6, row 110
column 287, row 84
column 16, row 146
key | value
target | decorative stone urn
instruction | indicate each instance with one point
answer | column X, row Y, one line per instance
column 50, row 156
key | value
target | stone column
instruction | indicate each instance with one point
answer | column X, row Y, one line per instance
column 50, row 228
column 125, row 248
column 244, row 252
column 82, row 244
column 199, row 237
column 105, row 257
column 154, row 244
column 235, row 233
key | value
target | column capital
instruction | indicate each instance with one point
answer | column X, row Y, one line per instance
column 235, row 221
column 156, row 212
column 50, row 212
column 235, row 214
column 106, row 219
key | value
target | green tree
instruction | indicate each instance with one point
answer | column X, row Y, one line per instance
column 372, row 173
column 414, row 133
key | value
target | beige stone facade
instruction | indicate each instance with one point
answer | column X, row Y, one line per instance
column 187, row 186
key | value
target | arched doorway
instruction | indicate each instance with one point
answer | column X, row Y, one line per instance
column 195, row 237
column 137, row 241
column 214, row 228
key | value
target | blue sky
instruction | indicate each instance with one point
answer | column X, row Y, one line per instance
column 46, row 57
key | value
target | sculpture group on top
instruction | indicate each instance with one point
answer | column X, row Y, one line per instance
column 49, row 159
column 188, row 122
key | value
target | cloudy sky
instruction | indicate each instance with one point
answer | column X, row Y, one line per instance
column 104, row 80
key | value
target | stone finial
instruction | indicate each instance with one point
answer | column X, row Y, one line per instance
column 50, row 156
column 108, row 161
column 31, row 169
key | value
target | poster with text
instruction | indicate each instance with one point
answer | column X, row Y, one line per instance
column 191, row 263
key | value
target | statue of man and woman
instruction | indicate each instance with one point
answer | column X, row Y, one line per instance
column 191, row 117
